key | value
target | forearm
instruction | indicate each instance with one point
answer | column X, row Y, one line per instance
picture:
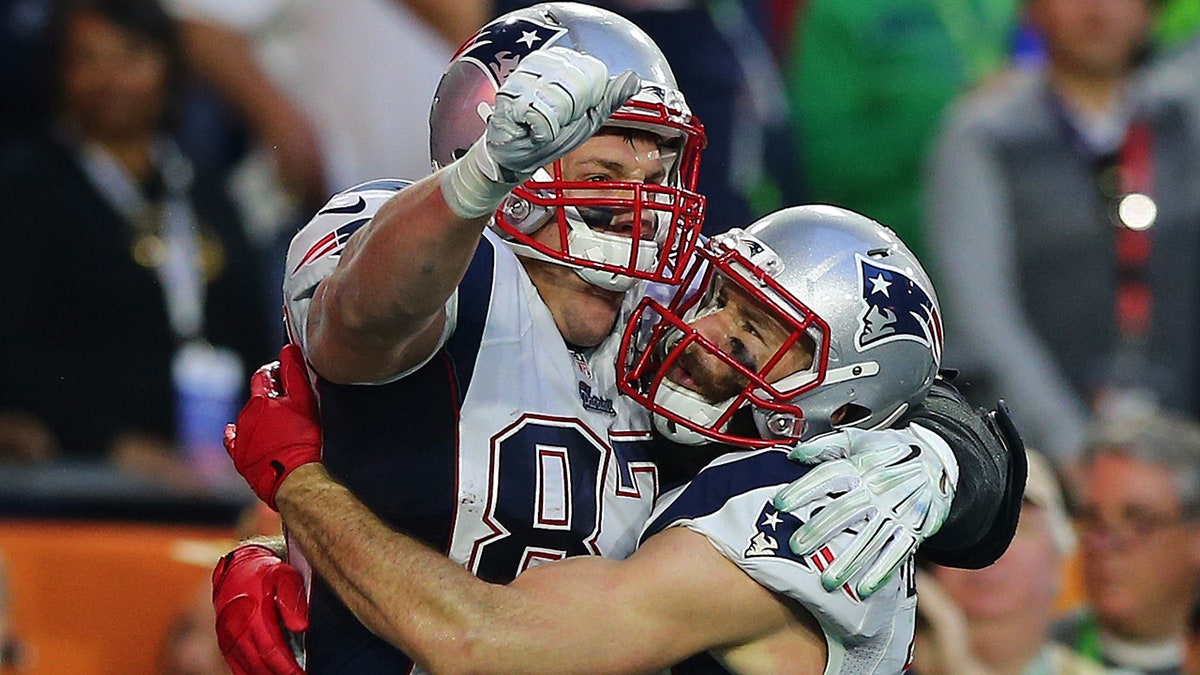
column 403, row 591
column 582, row 615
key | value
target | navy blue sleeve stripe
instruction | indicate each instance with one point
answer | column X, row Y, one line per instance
column 716, row 484
column 389, row 184
column 474, row 301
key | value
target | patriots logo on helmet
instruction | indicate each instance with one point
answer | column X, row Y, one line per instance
column 896, row 308
column 331, row 244
column 499, row 47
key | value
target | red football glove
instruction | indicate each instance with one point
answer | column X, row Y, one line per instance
column 278, row 429
column 254, row 592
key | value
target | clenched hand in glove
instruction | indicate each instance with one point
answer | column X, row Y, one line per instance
column 556, row 99
column 256, row 595
column 277, row 430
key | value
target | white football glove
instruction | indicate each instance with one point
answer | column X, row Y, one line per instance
column 556, row 99
column 893, row 487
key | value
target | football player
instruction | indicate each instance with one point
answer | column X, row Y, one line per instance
column 448, row 353
column 464, row 328
column 812, row 319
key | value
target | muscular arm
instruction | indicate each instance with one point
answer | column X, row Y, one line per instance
column 381, row 311
column 676, row 596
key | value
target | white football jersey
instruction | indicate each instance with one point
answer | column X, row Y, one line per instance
column 729, row 502
column 505, row 449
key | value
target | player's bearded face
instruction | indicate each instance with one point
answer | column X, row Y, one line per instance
column 744, row 330
column 705, row 374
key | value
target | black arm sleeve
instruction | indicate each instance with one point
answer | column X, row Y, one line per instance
column 991, row 478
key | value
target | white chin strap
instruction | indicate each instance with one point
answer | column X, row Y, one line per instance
column 602, row 247
column 690, row 406
column 586, row 243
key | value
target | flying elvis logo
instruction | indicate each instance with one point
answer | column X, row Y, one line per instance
column 896, row 308
column 499, row 47
column 331, row 244
column 773, row 530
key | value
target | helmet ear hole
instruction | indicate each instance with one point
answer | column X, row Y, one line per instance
column 849, row 414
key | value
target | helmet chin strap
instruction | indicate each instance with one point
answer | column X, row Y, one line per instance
column 585, row 242
column 609, row 281
column 690, row 406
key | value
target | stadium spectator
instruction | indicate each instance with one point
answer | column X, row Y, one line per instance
column 330, row 95
column 130, row 257
column 998, row 618
column 1138, row 499
column 1066, row 220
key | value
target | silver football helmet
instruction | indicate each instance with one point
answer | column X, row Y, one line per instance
column 466, row 96
column 843, row 288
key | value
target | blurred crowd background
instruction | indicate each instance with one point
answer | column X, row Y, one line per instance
column 1042, row 157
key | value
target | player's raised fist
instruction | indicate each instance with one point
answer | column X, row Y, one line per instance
column 551, row 103
column 555, row 100
column 277, row 430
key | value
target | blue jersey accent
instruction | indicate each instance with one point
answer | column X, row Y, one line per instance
column 395, row 446
column 386, row 184
column 711, row 488
column 474, row 299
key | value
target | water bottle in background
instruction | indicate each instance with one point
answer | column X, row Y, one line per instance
column 208, row 387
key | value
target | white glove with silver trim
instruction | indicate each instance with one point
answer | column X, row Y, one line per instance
column 891, row 487
column 556, row 99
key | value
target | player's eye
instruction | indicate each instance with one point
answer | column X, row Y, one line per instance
column 752, row 330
